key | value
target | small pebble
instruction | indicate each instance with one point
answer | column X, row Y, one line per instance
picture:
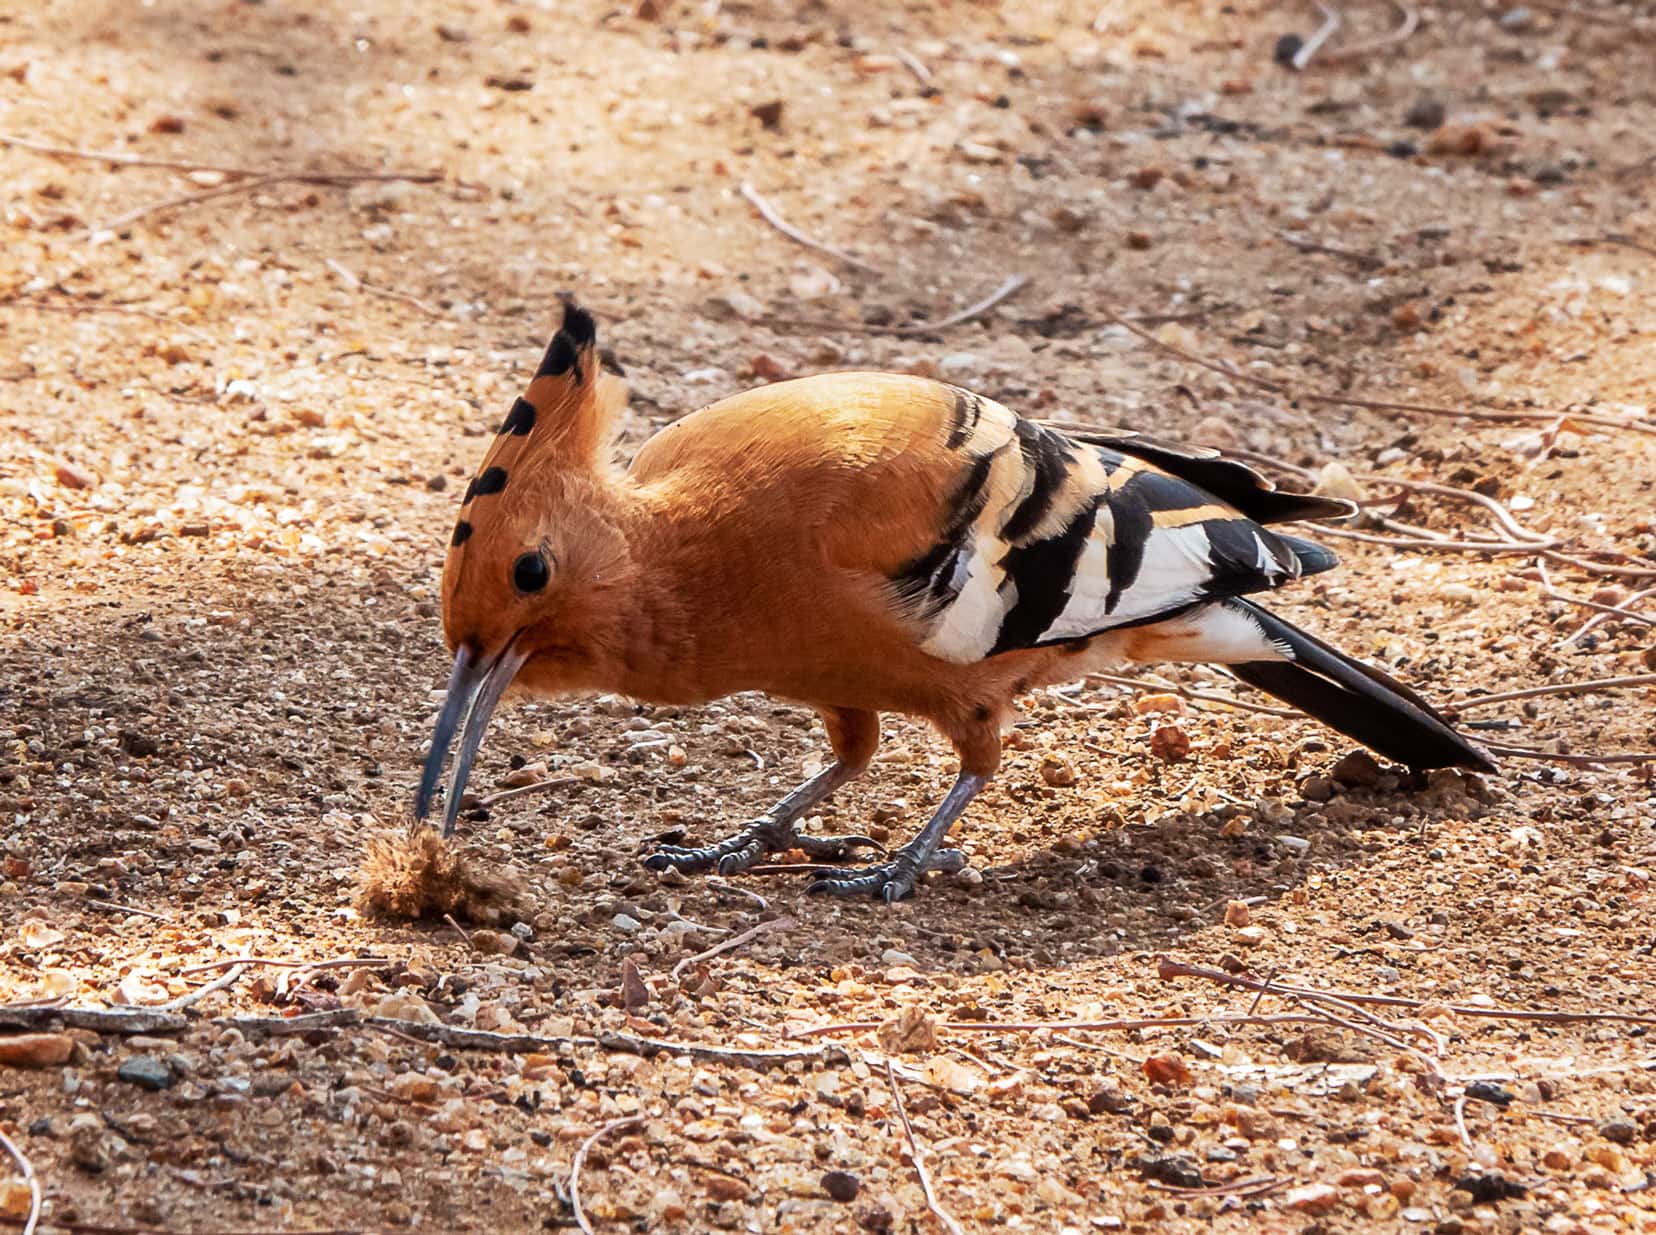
column 842, row 1186
column 145, row 1071
column 1425, row 113
column 1621, row 1131
column 35, row 1050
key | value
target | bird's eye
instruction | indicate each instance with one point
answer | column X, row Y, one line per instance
column 530, row 573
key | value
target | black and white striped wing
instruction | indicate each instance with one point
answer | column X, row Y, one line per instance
column 1048, row 539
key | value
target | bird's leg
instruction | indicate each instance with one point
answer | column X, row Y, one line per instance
column 772, row 832
column 854, row 736
column 895, row 879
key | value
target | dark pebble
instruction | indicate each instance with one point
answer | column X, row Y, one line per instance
column 1488, row 1091
column 1180, row 1172
column 1489, row 1188
column 145, row 1071
column 1287, row 47
column 1621, row 1131
column 843, row 1186
column 1425, row 113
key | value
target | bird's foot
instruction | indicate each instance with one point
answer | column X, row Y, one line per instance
column 887, row 881
column 737, row 853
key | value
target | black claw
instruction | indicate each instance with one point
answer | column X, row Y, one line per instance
column 835, row 847
column 890, row 881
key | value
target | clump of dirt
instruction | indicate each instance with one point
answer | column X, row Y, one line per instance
column 413, row 872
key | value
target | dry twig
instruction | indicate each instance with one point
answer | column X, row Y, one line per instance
column 735, row 941
column 1167, row 969
column 1159, row 687
column 337, row 962
column 518, row 791
column 1621, row 610
column 119, row 1021
column 614, row 1125
column 118, row 157
column 1579, row 761
column 914, row 65
column 229, row 979
column 918, row 1156
column 26, row 1169
column 769, row 214
column 1314, row 44
column 355, row 282
column 461, row 931
column 1009, row 287
column 1378, row 405
column 1558, row 688
column 1408, row 22
column 1120, row 1025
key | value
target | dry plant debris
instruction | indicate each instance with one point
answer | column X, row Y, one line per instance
column 414, row 872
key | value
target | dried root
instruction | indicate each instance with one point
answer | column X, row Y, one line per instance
column 412, row 872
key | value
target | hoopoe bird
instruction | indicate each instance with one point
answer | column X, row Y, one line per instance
column 864, row 543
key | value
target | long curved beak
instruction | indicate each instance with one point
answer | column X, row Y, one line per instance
column 475, row 684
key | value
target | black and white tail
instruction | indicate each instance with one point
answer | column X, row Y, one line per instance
column 1357, row 699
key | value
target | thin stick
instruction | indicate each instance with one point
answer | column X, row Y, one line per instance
column 524, row 1043
column 1593, row 623
column 713, row 881
column 1324, row 32
column 1460, row 1122
column 1378, row 405
column 196, row 996
column 1600, row 568
column 1409, row 21
column 1426, row 409
column 1009, row 286
column 1121, row 1025
column 735, row 941
column 460, row 930
column 1167, row 969
column 356, row 282
column 1559, row 688
column 116, row 156
column 1366, row 260
column 338, row 962
column 258, row 181
column 918, row 1157
column 183, row 199
column 518, row 791
column 1110, row 315
column 913, row 64
column 769, row 214
column 1256, row 1185
column 1489, row 547
column 1579, row 761
column 1584, row 602
column 26, row 1168
column 614, row 1125
column 1130, row 683
column 120, row 1021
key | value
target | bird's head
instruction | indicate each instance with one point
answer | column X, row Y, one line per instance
column 538, row 554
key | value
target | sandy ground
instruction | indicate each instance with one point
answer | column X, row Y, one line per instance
column 235, row 430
